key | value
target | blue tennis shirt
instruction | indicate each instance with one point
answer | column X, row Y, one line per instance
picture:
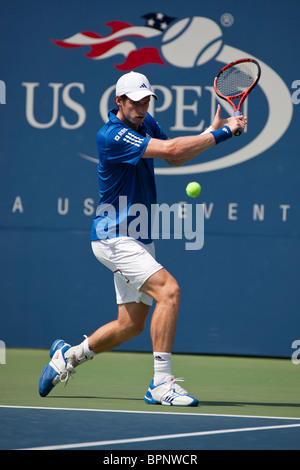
column 126, row 180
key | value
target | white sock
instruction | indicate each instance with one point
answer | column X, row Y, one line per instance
column 79, row 354
column 162, row 367
column 86, row 348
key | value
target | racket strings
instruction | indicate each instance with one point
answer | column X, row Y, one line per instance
column 237, row 79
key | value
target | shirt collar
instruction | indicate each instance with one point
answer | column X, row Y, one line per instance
column 112, row 116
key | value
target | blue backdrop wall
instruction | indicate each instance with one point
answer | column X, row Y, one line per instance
column 59, row 64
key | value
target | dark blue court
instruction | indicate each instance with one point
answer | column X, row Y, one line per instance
column 55, row 429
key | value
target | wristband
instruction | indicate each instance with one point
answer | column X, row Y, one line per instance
column 222, row 134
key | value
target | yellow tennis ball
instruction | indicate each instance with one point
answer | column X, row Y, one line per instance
column 193, row 189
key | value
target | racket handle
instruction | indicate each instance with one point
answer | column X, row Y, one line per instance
column 238, row 131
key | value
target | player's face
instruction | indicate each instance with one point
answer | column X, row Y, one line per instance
column 131, row 112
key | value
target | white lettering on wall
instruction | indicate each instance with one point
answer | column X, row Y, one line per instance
column 54, row 113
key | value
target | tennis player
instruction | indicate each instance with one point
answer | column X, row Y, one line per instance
column 127, row 146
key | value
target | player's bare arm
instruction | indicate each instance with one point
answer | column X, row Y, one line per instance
column 180, row 150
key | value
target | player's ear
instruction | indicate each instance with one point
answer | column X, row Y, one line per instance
column 118, row 100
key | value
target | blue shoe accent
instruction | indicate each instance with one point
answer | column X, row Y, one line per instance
column 50, row 375
column 46, row 380
column 148, row 397
column 57, row 344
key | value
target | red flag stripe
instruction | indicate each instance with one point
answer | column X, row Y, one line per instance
column 135, row 59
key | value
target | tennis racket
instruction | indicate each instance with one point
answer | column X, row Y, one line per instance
column 235, row 81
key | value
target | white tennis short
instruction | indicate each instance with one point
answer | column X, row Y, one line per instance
column 132, row 263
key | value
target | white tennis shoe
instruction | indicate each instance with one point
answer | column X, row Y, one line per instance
column 169, row 393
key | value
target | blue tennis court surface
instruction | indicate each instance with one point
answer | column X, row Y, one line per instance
column 55, row 429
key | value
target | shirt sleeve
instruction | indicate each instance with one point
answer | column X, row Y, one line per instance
column 154, row 126
column 159, row 133
column 122, row 145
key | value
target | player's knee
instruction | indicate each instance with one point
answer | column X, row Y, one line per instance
column 176, row 292
column 134, row 328
column 171, row 293
column 139, row 328
column 164, row 288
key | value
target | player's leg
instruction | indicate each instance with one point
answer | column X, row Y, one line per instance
column 164, row 289
column 128, row 265
column 164, row 388
column 64, row 358
column 130, row 323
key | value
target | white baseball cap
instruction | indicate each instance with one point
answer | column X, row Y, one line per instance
column 135, row 86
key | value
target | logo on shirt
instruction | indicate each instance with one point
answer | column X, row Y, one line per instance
column 121, row 133
column 133, row 139
column 130, row 138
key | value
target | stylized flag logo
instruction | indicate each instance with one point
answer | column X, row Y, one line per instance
column 188, row 43
column 117, row 42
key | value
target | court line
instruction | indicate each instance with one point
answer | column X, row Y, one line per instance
column 159, row 437
column 147, row 412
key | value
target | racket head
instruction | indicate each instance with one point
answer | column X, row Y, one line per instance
column 237, row 80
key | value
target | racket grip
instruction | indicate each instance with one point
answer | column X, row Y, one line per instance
column 238, row 131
